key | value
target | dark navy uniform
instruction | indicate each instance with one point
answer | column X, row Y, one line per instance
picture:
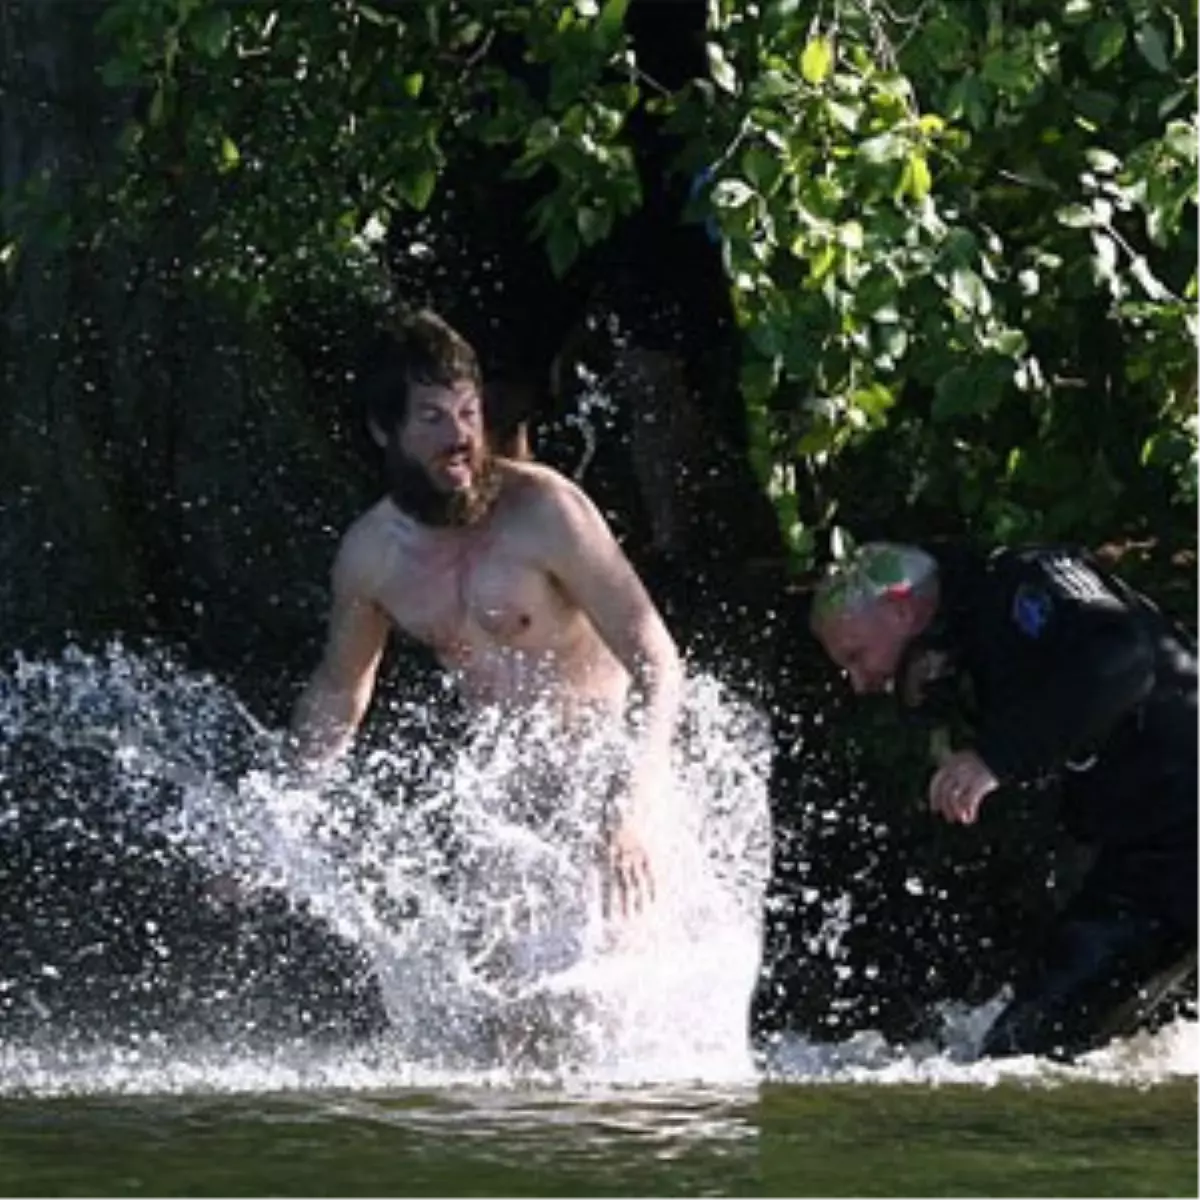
column 1071, row 673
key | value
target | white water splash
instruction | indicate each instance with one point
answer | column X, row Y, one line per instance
column 367, row 853
column 1139, row 1060
column 466, row 873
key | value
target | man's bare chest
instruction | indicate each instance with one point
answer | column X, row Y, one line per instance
column 482, row 591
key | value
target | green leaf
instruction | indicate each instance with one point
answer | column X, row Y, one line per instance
column 841, row 543
column 820, row 439
column 593, row 224
column 412, row 84
column 1076, row 216
column 1104, row 41
column 968, row 290
column 802, row 542
column 1103, row 162
column 121, row 72
column 851, row 235
column 816, row 61
column 417, row 188
column 230, row 155
column 720, row 68
column 611, row 19
column 822, row 263
column 968, row 98
column 562, row 247
column 762, row 168
column 1180, row 139
column 732, row 193
column 874, row 401
column 1097, row 106
column 845, row 114
column 1170, row 102
column 882, row 148
column 1011, row 343
column 915, row 180
column 955, row 394
column 1008, row 70
column 1106, row 257
column 158, row 107
column 371, row 15
column 1167, row 447
column 209, row 31
column 1139, row 268
column 758, row 378
column 1153, row 48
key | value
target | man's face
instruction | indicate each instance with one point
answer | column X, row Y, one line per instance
column 439, row 468
column 443, row 434
column 868, row 643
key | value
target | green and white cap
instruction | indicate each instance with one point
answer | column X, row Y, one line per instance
column 868, row 573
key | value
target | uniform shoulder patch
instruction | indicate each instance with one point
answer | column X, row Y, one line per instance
column 1032, row 609
column 1076, row 580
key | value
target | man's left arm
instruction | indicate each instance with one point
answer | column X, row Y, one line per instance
column 579, row 550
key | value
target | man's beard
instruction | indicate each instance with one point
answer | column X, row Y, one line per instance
column 414, row 493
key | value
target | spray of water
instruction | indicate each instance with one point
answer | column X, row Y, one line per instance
column 460, row 872
column 464, row 870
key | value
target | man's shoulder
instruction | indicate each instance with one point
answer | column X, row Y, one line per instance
column 532, row 487
column 360, row 549
column 547, row 509
column 367, row 527
column 525, row 475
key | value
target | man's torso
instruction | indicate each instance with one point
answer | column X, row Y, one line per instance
column 488, row 606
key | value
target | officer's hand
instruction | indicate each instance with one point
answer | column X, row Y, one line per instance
column 960, row 785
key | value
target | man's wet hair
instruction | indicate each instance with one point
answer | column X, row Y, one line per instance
column 870, row 572
column 420, row 348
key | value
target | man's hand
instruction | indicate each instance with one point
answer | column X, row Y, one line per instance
column 959, row 787
column 629, row 882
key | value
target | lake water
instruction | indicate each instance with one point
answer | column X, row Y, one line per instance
column 866, row 1121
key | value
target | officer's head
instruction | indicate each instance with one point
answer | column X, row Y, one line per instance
column 870, row 606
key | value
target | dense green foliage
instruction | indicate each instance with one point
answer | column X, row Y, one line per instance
column 959, row 234
column 962, row 233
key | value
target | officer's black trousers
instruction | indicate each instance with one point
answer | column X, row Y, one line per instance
column 1107, row 966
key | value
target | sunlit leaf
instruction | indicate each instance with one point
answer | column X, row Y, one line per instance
column 720, row 68
column 230, row 155
column 916, row 179
column 1180, row 139
column 732, row 193
column 816, row 60
column 1076, row 216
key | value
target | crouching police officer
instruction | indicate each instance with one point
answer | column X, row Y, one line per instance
column 1059, row 668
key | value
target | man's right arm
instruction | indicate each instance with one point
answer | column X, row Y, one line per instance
column 335, row 700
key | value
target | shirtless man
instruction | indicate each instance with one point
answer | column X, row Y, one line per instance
column 505, row 569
